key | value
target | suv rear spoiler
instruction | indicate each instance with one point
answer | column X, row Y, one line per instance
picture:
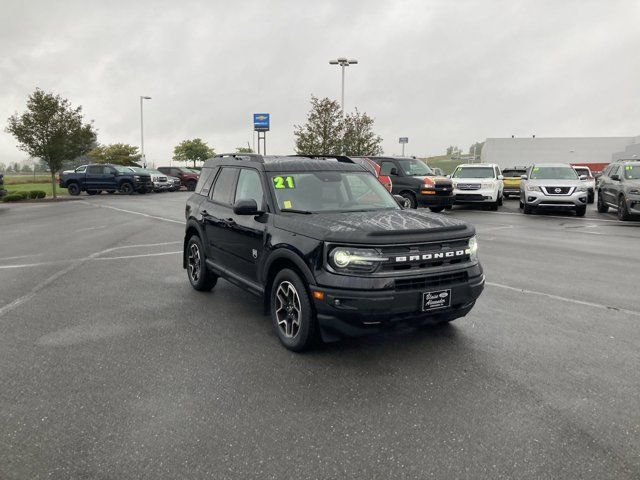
column 241, row 156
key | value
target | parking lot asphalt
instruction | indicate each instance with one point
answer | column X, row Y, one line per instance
column 113, row 367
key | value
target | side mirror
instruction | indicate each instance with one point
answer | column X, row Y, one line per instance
column 523, row 177
column 393, row 171
column 403, row 202
column 500, row 177
column 246, row 207
column 616, row 177
column 583, row 177
column 448, row 176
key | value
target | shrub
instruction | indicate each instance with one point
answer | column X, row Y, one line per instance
column 13, row 197
column 37, row 194
column 25, row 195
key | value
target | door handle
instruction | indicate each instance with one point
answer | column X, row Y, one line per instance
column 229, row 222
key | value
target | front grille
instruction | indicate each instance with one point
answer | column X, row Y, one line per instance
column 412, row 257
column 422, row 283
column 555, row 190
column 469, row 196
column 444, row 191
column 468, row 186
column 162, row 179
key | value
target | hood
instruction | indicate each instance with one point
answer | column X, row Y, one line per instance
column 382, row 227
column 552, row 183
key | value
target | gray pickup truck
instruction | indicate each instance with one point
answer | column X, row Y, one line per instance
column 94, row 179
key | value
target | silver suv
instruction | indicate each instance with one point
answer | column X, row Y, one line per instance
column 554, row 186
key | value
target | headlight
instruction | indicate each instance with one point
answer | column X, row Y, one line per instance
column 136, row 177
column 473, row 248
column 582, row 188
column 634, row 191
column 533, row 188
column 355, row 259
column 486, row 185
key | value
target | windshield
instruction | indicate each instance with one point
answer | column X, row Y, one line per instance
column 513, row 173
column 412, row 167
column 474, row 172
column 582, row 171
column 553, row 173
column 320, row 192
column 632, row 172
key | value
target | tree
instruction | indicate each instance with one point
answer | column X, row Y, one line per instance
column 323, row 133
column 116, row 153
column 359, row 138
column 52, row 130
column 478, row 148
column 244, row 150
column 192, row 150
column 453, row 151
column 3, row 167
column 26, row 168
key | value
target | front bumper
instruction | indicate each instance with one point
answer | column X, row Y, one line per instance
column 435, row 200
column 160, row 186
column 633, row 204
column 346, row 312
column 541, row 200
column 485, row 195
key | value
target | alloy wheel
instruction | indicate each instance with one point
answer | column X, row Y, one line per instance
column 193, row 263
column 288, row 309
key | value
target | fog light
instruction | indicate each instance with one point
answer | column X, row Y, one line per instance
column 337, row 302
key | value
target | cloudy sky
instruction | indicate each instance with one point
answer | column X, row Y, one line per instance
column 438, row 71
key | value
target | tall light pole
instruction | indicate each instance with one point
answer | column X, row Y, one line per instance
column 343, row 62
column 144, row 159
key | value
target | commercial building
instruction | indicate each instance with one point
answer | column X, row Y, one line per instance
column 596, row 152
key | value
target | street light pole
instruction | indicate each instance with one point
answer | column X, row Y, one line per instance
column 144, row 159
column 343, row 62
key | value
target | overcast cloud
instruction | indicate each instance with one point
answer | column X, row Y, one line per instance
column 440, row 72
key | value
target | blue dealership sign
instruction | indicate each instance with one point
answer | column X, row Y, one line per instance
column 261, row 122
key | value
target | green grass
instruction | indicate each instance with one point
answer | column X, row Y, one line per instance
column 22, row 179
column 444, row 162
column 27, row 187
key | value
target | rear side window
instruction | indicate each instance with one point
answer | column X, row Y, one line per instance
column 223, row 187
column 95, row 169
column 205, row 181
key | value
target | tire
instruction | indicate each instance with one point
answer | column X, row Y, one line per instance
column 200, row 277
column 602, row 207
column 449, row 207
column 290, row 301
column 411, row 197
column 500, row 201
column 623, row 211
column 126, row 188
column 436, row 209
column 528, row 209
column 590, row 197
column 73, row 189
column 521, row 204
column 580, row 211
column 191, row 186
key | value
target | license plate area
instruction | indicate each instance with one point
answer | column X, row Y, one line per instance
column 436, row 300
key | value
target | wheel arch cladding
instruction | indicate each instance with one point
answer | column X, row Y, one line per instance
column 192, row 229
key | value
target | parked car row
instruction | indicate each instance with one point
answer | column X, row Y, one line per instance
column 96, row 178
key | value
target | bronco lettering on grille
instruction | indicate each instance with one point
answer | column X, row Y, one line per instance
column 432, row 256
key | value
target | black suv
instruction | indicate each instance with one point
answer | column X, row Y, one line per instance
column 327, row 246
column 415, row 181
column 619, row 188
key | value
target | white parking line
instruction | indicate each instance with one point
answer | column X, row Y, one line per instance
column 554, row 216
column 156, row 217
column 565, row 299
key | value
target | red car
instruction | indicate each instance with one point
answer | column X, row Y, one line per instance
column 374, row 168
column 188, row 178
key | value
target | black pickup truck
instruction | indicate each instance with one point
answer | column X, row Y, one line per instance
column 111, row 178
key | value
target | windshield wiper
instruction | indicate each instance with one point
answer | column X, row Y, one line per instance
column 295, row 210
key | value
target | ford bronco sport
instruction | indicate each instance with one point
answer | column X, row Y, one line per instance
column 327, row 247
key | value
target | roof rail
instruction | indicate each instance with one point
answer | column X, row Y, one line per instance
column 339, row 158
column 242, row 156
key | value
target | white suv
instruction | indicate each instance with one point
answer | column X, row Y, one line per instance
column 478, row 183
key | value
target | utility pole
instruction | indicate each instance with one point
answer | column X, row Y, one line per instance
column 144, row 159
